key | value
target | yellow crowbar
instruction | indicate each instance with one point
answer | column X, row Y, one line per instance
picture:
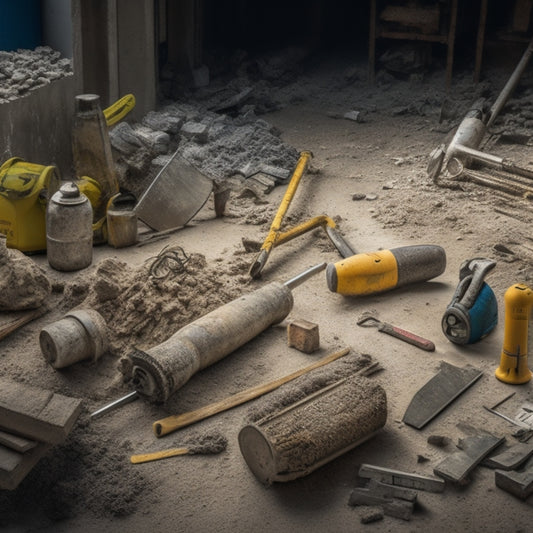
column 276, row 237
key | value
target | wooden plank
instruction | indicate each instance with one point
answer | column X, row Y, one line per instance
column 401, row 479
column 16, row 443
column 36, row 413
column 458, row 465
column 14, row 467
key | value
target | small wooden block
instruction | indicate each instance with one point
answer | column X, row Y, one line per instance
column 36, row 413
column 303, row 336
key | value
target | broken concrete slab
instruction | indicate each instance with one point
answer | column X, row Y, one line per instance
column 16, row 443
column 14, row 466
column 474, row 449
column 391, row 507
column 441, row 390
column 37, row 413
column 520, row 484
column 401, row 479
column 511, row 458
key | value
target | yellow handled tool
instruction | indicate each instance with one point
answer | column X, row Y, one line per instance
column 154, row 456
column 370, row 273
column 276, row 237
column 119, row 109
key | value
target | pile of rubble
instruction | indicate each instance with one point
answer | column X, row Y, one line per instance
column 24, row 70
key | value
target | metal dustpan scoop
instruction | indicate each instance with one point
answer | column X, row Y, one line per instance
column 177, row 193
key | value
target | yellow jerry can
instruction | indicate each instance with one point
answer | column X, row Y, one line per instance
column 24, row 192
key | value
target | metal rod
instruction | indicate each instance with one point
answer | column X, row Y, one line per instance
column 304, row 276
column 515, row 422
column 510, row 85
column 113, row 405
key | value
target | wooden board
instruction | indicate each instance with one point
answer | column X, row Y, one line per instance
column 36, row 413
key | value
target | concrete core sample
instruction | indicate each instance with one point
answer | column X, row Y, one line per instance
column 306, row 435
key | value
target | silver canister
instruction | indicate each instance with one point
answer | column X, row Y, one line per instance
column 69, row 232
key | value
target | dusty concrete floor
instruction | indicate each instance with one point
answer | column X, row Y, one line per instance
column 385, row 156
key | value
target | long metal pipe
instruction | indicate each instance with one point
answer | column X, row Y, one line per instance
column 510, row 85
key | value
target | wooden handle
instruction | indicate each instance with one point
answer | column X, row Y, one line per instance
column 154, row 456
column 172, row 423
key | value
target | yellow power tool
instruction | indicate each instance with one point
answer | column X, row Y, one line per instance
column 513, row 367
column 369, row 273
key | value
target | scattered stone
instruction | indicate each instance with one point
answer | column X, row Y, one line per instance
column 195, row 131
column 355, row 116
column 371, row 197
column 303, row 335
column 358, row 196
column 371, row 514
column 438, row 440
column 24, row 70
column 502, row 249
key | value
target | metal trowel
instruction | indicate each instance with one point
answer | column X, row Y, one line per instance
column 177, row 193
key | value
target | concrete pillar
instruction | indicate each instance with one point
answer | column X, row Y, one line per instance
column 114, row 50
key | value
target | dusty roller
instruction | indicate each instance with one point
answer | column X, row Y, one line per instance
column 308, row 434
column 160, row 371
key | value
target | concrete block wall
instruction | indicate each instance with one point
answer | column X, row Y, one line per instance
column 38, row 126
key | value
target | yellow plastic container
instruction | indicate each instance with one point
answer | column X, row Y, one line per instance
column 24, row 191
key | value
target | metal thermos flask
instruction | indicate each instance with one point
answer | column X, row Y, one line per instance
column 69, row 233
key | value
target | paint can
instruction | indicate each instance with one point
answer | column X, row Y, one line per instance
column 69, row 231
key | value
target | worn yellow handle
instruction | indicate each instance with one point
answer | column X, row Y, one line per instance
column 119, row 109
column 154, row 456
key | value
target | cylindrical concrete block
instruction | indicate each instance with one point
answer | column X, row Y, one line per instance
column 299, row 439
column 121, row 228
column 79, row 335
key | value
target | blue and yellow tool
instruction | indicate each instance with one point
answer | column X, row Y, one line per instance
column 473, row 312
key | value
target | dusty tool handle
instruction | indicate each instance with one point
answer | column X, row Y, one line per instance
column 154, row 456
column 407, row 336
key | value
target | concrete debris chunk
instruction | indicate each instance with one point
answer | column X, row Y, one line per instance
column 14, row 466
column 23, row 284
column 166, row 122
column 196, row 131
column 156, row 141
column 371, row 514
column 123, row 139
column 474, row 449
column 37, row 413
column 391, row 491
column 391, row 507
column 401, row 479
column 511, row 458
column 519, row 484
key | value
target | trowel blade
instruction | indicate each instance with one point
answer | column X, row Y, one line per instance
column 439, row 392
column 177, row 193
